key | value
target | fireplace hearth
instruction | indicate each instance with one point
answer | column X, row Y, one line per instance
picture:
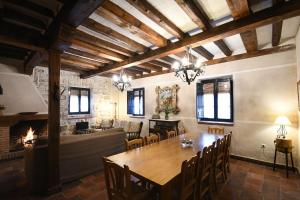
column 13, row 129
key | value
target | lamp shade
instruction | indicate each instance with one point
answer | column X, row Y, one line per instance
column 282, row 120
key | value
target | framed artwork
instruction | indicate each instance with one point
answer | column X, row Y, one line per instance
column 167, row 96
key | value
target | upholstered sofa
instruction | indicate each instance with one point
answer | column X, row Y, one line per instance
column 132, row 129
column 80, row 155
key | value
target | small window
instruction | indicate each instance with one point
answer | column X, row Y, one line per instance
column 79, row 101
column 215, row 100
column 136, row 102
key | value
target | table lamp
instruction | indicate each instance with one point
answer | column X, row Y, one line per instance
column 282, row 121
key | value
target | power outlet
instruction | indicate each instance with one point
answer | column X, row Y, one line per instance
column 263, row 146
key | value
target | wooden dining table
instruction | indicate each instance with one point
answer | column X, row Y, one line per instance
column 160, row 163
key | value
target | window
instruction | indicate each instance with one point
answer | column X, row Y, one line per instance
column 79, row 101
column 136, row 102
column 215, row 100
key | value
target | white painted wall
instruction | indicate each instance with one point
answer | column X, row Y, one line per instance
column 264, row 87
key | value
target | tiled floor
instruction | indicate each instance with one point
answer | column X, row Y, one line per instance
column 246, row 181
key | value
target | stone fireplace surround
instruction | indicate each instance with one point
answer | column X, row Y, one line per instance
column 6, row 122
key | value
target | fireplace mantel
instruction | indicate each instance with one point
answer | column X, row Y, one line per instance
column 10, row 120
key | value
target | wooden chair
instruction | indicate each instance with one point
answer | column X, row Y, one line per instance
column 171, row 134
column 204, row 181
column 227, row 153
column 118, row 183
column 152, row 138
column 189, row 169
column 216, row 130
column 218, row 164
column 133, row 144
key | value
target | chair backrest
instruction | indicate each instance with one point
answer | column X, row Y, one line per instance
column 171, row 134
column 228, row 141
column 133, row 144
column 205, row 170
column 189, row 169
column 216, row 130
column 220, row 148
column 117, row 180
column 153, row 138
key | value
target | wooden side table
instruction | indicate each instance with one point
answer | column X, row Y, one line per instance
column 284, row 146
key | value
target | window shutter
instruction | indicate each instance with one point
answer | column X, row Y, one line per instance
column 200, row 109
column 130, row 102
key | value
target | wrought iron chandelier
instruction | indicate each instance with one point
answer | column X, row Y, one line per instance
column 122, row 82
column 188, row 68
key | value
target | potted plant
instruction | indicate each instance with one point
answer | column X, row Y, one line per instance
column 2, row 108
column 167, row 107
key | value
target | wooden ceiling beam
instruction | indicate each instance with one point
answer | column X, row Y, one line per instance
column 258, row 19
column 232, row 58
column 61, row 29
column 161, row 64
column 240, row 9
column 80, row 59
column 276, row 27
column 78, row 63
column 151, row 12
column 203, row 52
column 141, row 69
column 99, row 51
column 102, row 43
column 196, row 12
column 150, row 66
column 120, row 17
column 104, row 30
column 32, row 6
column 22, row 18
column 132, row 70
column 169, row 59
column 5, row 39
column 86, row 55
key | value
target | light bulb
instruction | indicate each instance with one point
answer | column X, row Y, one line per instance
column 176, row 65
column 115, row 78
column 198, row 63
column 124, row 78
column 185, row 61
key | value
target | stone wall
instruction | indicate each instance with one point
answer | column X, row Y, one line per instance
column 103, row 95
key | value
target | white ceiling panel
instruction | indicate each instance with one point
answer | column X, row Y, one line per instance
column 173, row 12
column 215, row 9
column 290, row 27
column 264, row 35
column 140, row 16
column 236, row 44
column 212, row 48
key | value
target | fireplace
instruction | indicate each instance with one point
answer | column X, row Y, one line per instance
column 13, row 128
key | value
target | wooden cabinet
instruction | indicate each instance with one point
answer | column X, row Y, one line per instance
column 161, row 126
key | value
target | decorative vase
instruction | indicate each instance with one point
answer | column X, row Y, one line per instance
column 166, row 115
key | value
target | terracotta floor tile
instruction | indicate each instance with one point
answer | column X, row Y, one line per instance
column 247, row 181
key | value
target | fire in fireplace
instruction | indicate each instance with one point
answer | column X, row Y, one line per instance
column 25, row 133
column 30, row 138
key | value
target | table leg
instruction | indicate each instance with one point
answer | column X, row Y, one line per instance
column 275, row 159
column 286, row 164
column 292, row 162
column 165, row 192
